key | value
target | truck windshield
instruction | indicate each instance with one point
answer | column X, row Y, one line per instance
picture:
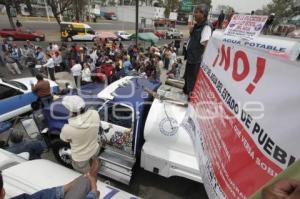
column 117, row 114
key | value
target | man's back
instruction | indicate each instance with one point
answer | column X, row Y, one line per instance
column 82, row 133
column 42, row 88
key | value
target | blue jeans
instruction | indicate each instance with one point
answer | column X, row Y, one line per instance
column 46, row 101
column 52, row 193
column 34, row 147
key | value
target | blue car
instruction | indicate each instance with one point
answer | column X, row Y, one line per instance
column 16, row 97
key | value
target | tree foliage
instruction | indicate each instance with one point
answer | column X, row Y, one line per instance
column 206, row 2
column 8, row 5
column 59, row 7
column 170, row 6
column 283, row 9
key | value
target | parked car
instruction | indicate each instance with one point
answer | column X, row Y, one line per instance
column 22, row 176
column 110, row 16
column 123, row 35
column 284, row 29
column 159, row 33
column 16, row 97
column 22, row 34
column 173, row 33
column 295, row 34
column 76, row 32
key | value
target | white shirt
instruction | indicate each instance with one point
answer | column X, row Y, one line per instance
column 50, row 63
column 76, row 70
column 86, row 75
column 206, row 34
column 57, row 60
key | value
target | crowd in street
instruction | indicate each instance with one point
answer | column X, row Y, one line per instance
column 104, row 60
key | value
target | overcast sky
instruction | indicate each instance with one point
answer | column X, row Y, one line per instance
column 244, row 6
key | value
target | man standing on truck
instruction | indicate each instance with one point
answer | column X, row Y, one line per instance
column 199, row 36
column 81, row 132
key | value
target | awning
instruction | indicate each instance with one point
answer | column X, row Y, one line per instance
column 147, row 36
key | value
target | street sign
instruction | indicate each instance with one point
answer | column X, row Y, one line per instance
column 186, row 5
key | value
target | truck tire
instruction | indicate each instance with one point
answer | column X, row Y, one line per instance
column 10, row 38
column 62, row 152
column 37, row 39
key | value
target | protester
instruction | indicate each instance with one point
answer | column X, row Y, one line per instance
column 42, row 88
column 50, row 66
column 11, row 64
column 86, row 76
column 41, row 57
column 16, row 54
column 30, row 64
column 57, row 58
column 220, row 20
column 199, row 36
column 87, row 183
column 18, row 24
column 268, row 25
column 17, row 144
column 81, row 132
column 76, row 72
column 126, row 65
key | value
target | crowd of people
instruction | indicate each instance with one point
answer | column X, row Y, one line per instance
column 104, row 60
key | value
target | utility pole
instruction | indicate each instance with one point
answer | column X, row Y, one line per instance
column 136, row 21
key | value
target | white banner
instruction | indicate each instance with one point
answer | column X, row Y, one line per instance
column 246, row 26
column 245, row 107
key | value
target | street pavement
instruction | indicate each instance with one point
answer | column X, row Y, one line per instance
column 51, row 29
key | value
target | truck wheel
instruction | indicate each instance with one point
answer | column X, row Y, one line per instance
column 69, row 39
column 37, row 39
column 62, row 152
column 10, row 38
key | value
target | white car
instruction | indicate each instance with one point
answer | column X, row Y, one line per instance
column 22, row 176
column 123, row 35
column 16, row 96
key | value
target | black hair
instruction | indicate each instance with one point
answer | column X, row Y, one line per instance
column 39, row 76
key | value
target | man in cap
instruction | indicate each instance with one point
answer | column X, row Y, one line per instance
column 199, row 36
column 81, row 132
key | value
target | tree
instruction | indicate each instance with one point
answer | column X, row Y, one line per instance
column 28, row 4
column 170, row 6
column 283, row 9
column 59, row 7
column 8, row 6
column 206, row 2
